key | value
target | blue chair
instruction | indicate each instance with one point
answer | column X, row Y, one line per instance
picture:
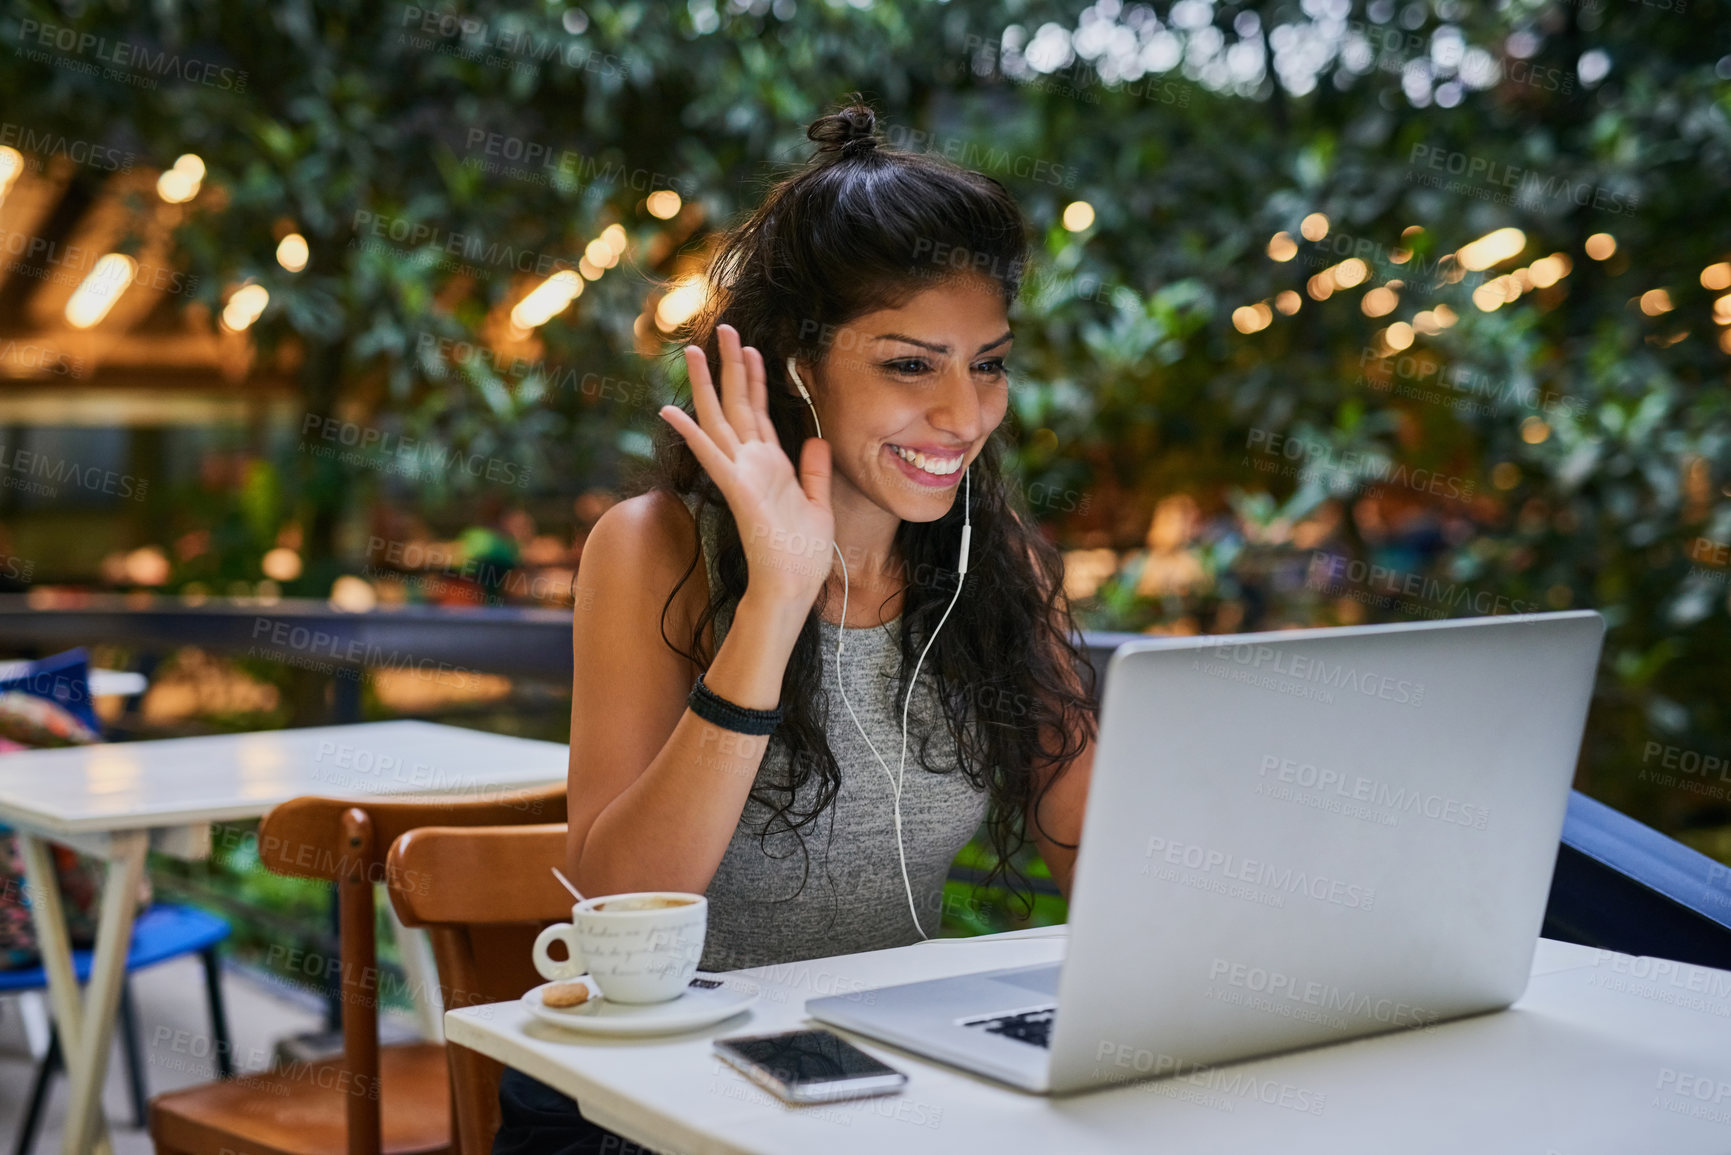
column 160, row 933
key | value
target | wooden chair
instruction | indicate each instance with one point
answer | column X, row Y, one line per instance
column 487, row 894
column 366, row 1102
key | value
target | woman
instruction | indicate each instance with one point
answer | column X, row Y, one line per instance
column 720, row 743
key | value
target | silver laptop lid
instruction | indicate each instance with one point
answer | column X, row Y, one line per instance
column 1304, row 836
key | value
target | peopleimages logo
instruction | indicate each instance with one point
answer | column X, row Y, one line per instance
column 1254, row 872
column 122, row 55
column 1273, row 984
column 1333, row 784
column 471, row 247
column 1275, row 660
column 40, row 143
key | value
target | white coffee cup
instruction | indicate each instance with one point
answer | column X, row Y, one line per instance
column 641, row 947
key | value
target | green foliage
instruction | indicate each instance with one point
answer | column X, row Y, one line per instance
column 1132, row 382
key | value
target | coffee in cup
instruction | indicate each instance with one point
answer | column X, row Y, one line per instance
column 656, row 902
column 641, row 947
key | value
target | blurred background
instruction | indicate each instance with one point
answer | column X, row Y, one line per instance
column 1341, row 313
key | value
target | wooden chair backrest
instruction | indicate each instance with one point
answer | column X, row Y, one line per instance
column 345, row 841
column 483, row 894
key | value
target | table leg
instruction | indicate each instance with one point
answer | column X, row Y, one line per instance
column 86, row 1026
column 48, row 912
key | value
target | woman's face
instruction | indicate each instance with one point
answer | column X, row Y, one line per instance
column 908, row 396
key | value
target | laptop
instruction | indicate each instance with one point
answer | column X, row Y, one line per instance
column 1291, row 838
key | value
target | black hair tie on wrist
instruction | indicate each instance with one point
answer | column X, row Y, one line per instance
column 718, row 711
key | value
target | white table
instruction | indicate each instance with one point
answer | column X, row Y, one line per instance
column 117, row 801
column 1594, row 1058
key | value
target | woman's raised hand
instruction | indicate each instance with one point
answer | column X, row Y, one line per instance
column 784, row 519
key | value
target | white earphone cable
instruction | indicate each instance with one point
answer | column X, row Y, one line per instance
column 895, row 780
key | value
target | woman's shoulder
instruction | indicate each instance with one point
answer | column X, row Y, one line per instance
column 656, row 518
column 647, row 541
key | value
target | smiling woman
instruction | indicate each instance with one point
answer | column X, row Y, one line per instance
column 735, row 731
column 886, row 277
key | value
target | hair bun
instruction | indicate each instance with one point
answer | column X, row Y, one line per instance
column 850, row 132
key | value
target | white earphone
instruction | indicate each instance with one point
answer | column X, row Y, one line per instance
column 896, row 779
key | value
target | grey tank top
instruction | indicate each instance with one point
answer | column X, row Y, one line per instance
column 852, row 898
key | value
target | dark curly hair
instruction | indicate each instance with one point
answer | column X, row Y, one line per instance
column 861, row 228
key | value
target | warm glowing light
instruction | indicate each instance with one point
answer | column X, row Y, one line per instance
column 1349, row 272
column 1433, row 321
column 547, row 300
column 1534, row 430
column 1078, row 215
column 1252, row 318
column 1313, row 227
column 615, row 237
column 96, row 294
column 663, row 204
column 1725, row 340
column 1398, row 336
column 590, row 270
column 601, row 254
column 1489, row 297
column 1402, row 255
column 1491, row 249
column 1722, row 310
column 1546, row 271
column 1320, row 287
column 353, row 595
column 1282, row 247
column 176, row 187
column 1713, row 277
column 291, row 252
column 1600, row 246
column 12, row 164
column 1379, row 302
column 1288, row 302
column 180, row 183
column 146, row 566
column 681, row 303
column 1656, row 301
column 244, row 307
column 281, row 564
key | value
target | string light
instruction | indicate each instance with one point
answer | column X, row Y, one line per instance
column 97, row 293
column 1491, row 249
column 291, row 252
column 681, row 303
column 181, row 183
column 547, row 300
column 1252, row 318
column 244, row 307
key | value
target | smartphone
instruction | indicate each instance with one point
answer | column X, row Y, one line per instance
column 809, row 1066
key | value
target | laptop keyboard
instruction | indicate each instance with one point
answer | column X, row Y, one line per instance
column 1026, row 1026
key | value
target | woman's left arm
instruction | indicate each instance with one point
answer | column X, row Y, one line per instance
column 1060, row 795
column 1055, row 814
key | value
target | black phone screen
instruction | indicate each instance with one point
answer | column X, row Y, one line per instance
column 807, row 1057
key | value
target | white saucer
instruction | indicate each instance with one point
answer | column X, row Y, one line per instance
column 709, row 999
